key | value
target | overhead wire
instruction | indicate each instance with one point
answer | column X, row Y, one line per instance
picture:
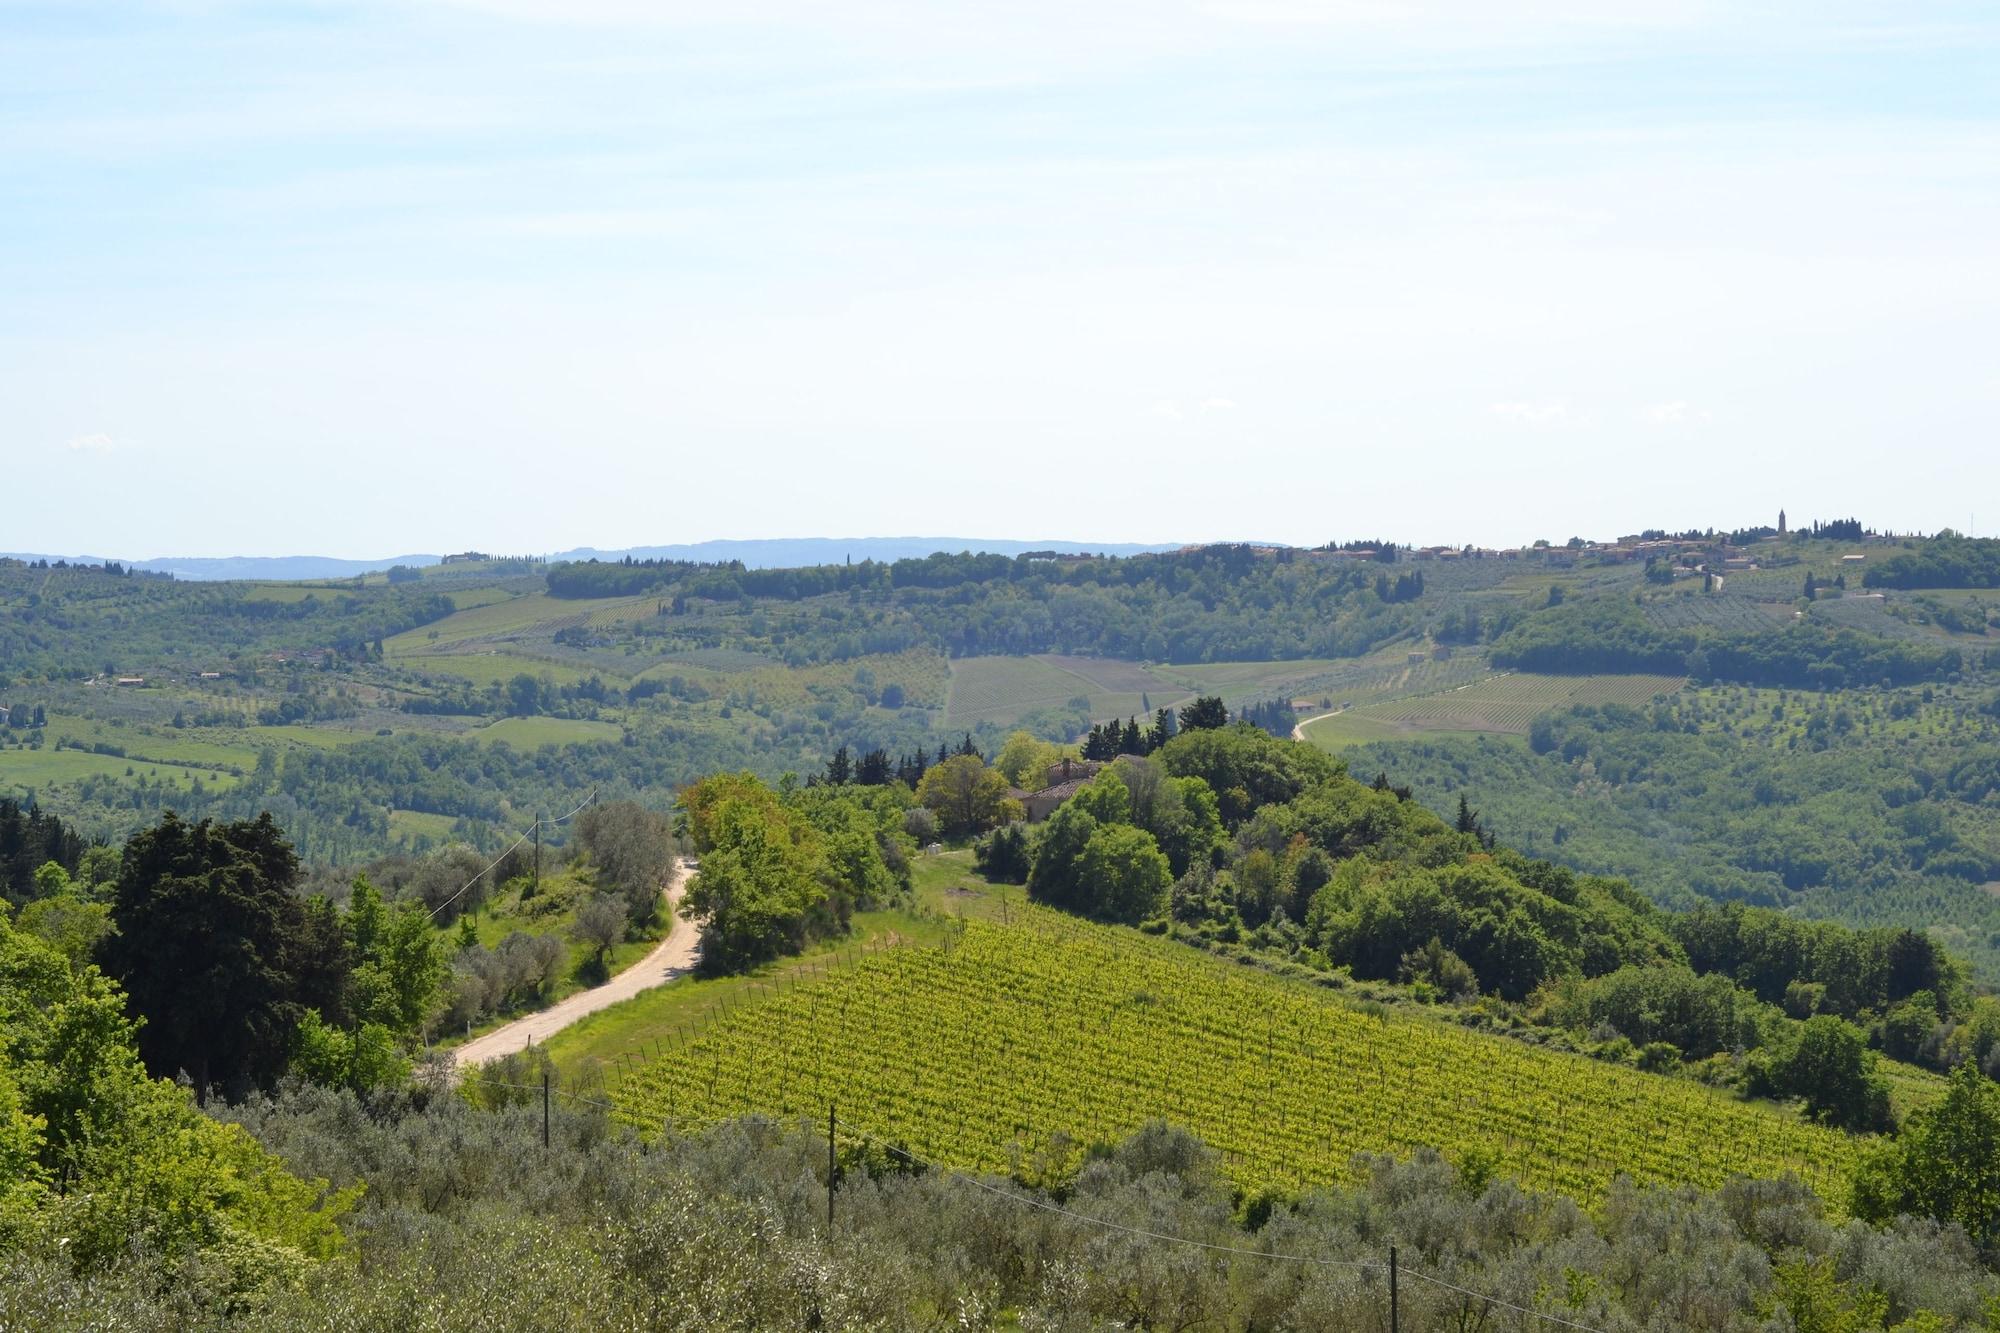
column 505, row 854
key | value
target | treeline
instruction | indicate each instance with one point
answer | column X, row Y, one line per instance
column 1611, row 635
column 30, row 838
column 1216, row 603
column 1948, row 560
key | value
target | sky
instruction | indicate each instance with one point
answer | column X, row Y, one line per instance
column 383, row 276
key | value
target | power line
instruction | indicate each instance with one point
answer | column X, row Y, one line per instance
column 504, row 855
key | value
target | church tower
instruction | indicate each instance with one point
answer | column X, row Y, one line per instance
column 1781, row 522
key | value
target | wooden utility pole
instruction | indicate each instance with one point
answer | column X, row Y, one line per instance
column 1395, row 1321
column 538, row 851
column 545, row 1110
column 829, row 1171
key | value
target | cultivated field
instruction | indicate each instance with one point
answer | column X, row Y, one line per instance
column 1507, row 704
column 1001, row 690
column 1049, row 1030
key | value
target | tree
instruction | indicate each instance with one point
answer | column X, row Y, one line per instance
column 839, row 768
column 600, row 925
column 1005, row 854
column 208, row 929
column 633, row 850
column 1205, row 713
column 1945, row 1164
column 1829, row 1067
column 1024, row 760
column 966, row 795
column 874, row 769
column 1056, row 875
column 759, row 885
column 1123, row 875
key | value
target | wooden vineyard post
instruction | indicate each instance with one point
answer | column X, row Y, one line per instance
column 1395, row 1323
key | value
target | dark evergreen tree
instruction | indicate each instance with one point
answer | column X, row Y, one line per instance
column 1204, row 713
column 839, row 768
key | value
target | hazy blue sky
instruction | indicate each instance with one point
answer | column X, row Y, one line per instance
column 363, row 278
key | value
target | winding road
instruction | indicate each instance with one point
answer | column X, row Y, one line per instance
column 674, row 956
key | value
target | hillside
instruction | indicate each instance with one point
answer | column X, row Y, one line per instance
column 993, row 1044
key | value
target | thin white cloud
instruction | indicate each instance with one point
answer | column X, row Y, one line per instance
column 1167, row 410
column 1218, row 404
column 97, row 443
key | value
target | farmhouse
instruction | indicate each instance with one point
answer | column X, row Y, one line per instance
column 1064, row 778
column 1040, row 805
column 134, row 681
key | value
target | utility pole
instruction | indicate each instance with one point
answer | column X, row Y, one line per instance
column 545, row 1120
column 829, row 1172
column 538, row 851
column 1395, row 1321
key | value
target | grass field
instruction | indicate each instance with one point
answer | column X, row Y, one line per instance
column 1505, row 703
column 23, row 769
column 408, row 827
column 1043, row 1029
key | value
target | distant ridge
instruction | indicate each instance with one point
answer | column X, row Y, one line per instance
column 213, row 568
column 756, row 553
column 791, row 552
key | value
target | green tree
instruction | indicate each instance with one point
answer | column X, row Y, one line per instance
column 1024, row 760
column 966, row 795
column 1945, row 1164
column 1829, row 1067
column 1205, row 713
column 1056, row 876
column 212, row 950
column 1123, row 876
column 599, row 925
column 633, row 850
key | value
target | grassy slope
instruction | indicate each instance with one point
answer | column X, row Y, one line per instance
column 997, row 1035
column 1503, row 704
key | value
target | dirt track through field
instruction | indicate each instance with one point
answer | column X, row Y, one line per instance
column 674, row 956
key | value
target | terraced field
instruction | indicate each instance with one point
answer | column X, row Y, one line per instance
column 1506, row 704
column 1048, row 1028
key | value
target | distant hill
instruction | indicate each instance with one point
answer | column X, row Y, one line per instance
column 209, row 568
column 797, row 552
column 761, row 553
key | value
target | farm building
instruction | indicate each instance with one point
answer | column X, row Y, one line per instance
column 1065, row 769
column 1065, row 778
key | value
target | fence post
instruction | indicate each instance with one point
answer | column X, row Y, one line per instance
column 1395, row 1322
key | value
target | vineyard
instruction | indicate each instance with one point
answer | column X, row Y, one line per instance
column 1506, row 704
column 1049, row 1031
column 1689, row 610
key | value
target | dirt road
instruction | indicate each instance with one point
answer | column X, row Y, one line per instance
column 673, row 957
